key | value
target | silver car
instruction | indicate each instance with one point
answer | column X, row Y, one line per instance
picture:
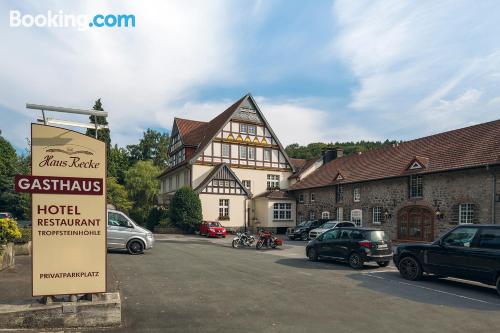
column 123, row 233
column 329, row 225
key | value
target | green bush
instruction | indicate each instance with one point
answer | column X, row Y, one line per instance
column 9, row 231
column 185, row 209
column 25, row 236
column 156, row 214
column 165, row 223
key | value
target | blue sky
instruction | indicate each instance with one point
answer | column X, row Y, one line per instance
column 320, row 70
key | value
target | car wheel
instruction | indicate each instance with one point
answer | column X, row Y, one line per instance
column 304, row 236
column 410, row 268
column 135, row 247
column 355, row 261
column 383, row 263
column 235, row 243
column 312, row 254
column 258, row 245
column 498, row 285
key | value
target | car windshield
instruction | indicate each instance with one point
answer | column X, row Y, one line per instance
column 307, row 224
column 214, row 224
column 376, row 236
column 328, row 225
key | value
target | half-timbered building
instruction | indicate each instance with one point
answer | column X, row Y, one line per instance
column 237, row 165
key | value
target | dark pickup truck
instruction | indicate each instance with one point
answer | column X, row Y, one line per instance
column 470, row 252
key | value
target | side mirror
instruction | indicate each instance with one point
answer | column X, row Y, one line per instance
column 130, row 225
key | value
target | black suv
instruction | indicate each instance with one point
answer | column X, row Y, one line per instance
column 470, row 252
column 354, row 245
column 301, row 231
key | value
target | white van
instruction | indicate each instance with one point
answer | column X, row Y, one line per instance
column 123, row 233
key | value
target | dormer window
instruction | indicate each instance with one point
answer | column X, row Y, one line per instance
column 415, row 165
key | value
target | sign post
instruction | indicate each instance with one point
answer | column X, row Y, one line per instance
column 69, row 211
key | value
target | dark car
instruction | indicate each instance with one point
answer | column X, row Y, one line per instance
column 301, row 231
column 470, row 252
column 354, row 245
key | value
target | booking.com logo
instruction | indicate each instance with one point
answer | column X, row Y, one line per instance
column 61, row 20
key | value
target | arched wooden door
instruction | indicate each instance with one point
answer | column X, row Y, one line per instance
column 416, row 223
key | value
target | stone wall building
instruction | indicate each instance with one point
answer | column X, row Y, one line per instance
column 415, row 190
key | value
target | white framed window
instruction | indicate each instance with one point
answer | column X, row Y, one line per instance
column 226, row 148
column 267, row 155
column 251, row 153
column 416, row 186
column 282, row 211
column 273, row 181
column 357, row 217
column 243, row 128
column 357, row 194
column 377, row 215
column 247, row 184
column 325, row 215
column 301, row 198
column 313, row 197
column 312, row 215
column 465, row 213
column 224, row 208
column 243, row 152
column 340, row 213
column 251, row 129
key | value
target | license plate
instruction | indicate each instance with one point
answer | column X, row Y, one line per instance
column 383, row 246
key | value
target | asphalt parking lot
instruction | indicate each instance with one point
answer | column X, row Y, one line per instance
column 195, row 284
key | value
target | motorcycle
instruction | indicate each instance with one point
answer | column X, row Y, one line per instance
column 267, row 239
column 243, row 239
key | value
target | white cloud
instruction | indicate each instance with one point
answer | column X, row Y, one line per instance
column 435, row 63
column 140, row 72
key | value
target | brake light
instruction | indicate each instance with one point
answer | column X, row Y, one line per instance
column 366, row 244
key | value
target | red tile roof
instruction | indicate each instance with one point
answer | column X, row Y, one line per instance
column 191, row 131
column 276, row 195
column 468, row 147
column 301, row 166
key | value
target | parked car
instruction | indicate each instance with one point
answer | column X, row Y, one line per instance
column 123, row 233
column 329, row 225
column 212, row 229
column 5, row 215
column 301, row 231
column 354, row 245
column 470, row 252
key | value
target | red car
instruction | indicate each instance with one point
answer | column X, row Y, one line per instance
column 212, row 229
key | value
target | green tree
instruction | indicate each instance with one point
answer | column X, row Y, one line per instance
column 117, row 195
column 118, row 163
column 8, row 168
column 142, row 187
column 102, row 134
column 185, row 209
column 153, row 146
column 314, row 150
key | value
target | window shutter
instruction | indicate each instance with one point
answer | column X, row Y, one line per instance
column 455, row 211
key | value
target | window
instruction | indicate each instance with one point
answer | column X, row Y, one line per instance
column 273, row 181
column 340, row 213
column 247, row 184
column 357, row 194
column 416, row 186
column 465, row 213
column 251, row 129
column 461, row 237
column 312, row 215
column 267, row 155
column 377, row 215
column 251, row 153
column 325, row 215
column 118, row 220
column 225, row 150
column 223, row 208
column 490, row 238
column 301, row 198
column 313, row 197
column 243, row 152
column 345, row 234
column 282, row 211
column 339, row 195
column 356, row 217
column 330, row 235
column 243, row 128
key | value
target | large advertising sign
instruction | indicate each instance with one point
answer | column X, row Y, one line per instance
column 69, row 211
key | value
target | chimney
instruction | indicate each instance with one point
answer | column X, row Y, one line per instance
column 329, row 154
